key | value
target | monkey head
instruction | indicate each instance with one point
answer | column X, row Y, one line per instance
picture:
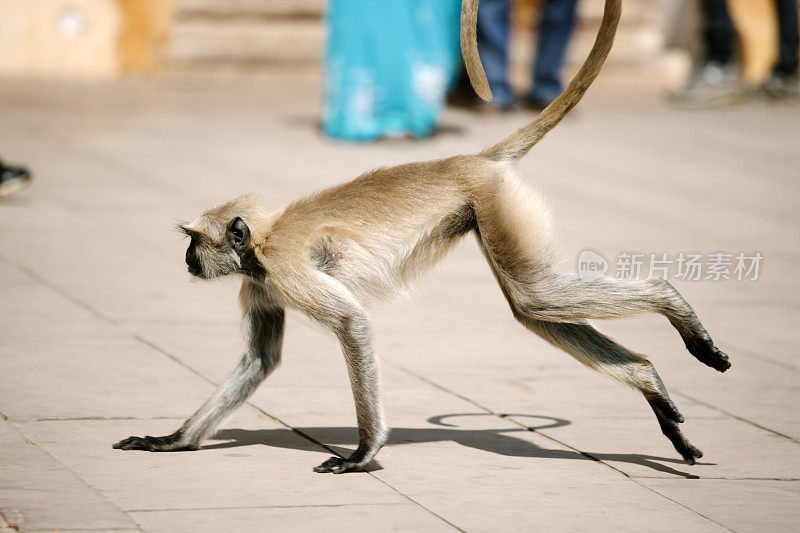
column 220, row 238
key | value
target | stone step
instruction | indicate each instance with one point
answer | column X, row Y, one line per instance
column 251, row 33
column 250, row 8
column 246, row 42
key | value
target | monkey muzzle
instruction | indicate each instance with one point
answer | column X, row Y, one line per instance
column 192, row 260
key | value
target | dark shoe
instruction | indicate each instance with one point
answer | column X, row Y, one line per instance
column 467, row 99
column 492, row 108
column 463, row 97
column 13, row 179
column 709, row 85
column 781, row 86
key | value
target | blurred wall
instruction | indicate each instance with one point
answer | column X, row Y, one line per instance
column 251, row 33
column 102, row 38
column 82, row 38
column 146, row 25
column 246, row 33
column 56, row 37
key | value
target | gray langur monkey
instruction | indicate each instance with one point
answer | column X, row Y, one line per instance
column 335, row 253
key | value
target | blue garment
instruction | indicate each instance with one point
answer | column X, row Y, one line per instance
column 388, row 66
column 494, row 32
column 555, row 29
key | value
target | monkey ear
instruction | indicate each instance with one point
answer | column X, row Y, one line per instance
column 238, row 234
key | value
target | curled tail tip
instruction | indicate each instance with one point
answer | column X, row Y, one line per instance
column 477, row 78
column 482, row 90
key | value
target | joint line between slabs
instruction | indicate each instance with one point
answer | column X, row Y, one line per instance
column 245, row 507
column 735, row 417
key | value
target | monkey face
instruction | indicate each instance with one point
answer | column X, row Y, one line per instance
column 215, row 250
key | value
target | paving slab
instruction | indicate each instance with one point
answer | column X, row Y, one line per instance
column 731, row 449
column 37, row 492
column 739, row 505
column 495, row 478
column 314, row 519
column 80, row 366
column 216, row 476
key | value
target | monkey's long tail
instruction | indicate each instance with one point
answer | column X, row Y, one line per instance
column 521, row 141
column 469, row 49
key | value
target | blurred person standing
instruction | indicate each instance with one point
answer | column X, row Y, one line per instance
column 388, row 65
column 716, row 79
column 556, row 25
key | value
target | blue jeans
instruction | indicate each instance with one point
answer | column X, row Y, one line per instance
column 555, row 29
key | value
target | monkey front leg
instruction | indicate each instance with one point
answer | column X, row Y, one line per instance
column 231, row 394
column 264, row 332
column 355, row 336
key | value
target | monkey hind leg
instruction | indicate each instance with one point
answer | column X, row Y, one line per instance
column 695, row 337
column 515, row 232
column 567, row 298
column 522, row 261
column 600, row 353
column 672, row 431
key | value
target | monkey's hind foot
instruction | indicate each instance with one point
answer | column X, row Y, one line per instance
column 169, row 443
column 708, row 354
column 339, row 465
column 673, row 433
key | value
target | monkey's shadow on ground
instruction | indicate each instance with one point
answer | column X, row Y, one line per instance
column 498, row 441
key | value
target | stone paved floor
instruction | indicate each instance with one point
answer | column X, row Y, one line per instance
column 102, row 336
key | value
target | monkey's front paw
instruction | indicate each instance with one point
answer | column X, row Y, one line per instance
column 338, row 465
column 153, row 444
